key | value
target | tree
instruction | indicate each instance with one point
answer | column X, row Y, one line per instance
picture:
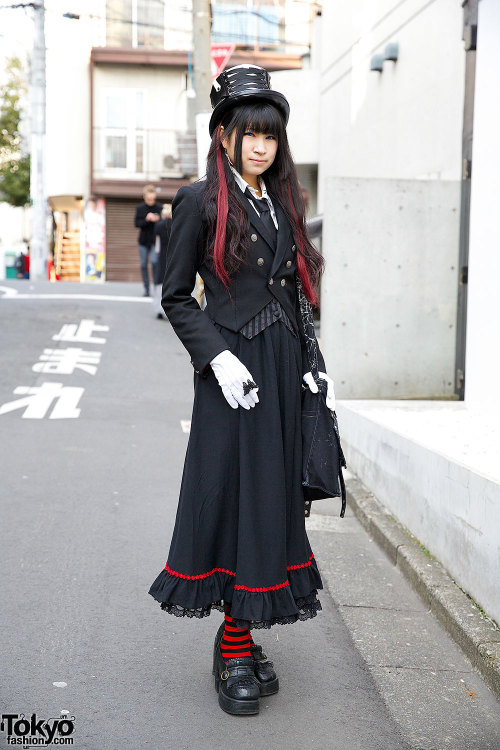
column 14, row 164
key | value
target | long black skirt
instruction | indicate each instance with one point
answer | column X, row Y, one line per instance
column 240, row 533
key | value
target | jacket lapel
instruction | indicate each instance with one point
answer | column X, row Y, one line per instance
column 284, row 235
column 260, row 227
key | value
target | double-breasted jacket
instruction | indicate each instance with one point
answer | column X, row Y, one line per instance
column 268, row 272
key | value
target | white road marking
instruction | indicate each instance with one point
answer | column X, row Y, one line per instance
column 66, row 361
column 60, row 684
column 8, row 291
column 38, row 400
column 13, row 294
column 81, row 333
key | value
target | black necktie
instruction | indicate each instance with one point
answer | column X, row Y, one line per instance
column 262, row 207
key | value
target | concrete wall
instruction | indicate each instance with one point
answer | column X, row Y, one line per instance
column 405, row 122
column 389, row 189
column 389, row 290
column 483, row 315
column 435, row 467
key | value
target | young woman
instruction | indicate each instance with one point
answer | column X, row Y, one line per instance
column 239, row 543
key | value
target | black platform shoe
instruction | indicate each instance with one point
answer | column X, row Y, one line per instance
column 237, row 685
column 264, row 671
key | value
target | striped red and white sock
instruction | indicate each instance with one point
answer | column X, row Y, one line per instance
column 235, row 641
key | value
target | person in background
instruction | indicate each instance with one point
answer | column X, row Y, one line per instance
column 162, row 234
column 20, row 259
column 147, row 214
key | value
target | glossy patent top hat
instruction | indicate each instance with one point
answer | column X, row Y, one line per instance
column 241, row 84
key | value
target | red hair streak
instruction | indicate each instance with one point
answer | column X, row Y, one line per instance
column 222, row 211
column 307, row 285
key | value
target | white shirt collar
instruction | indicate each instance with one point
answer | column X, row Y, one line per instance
column 243, row 184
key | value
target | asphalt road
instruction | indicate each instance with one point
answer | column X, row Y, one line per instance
column 89, row 487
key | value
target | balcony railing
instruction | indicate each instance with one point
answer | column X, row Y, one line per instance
column 127, row 154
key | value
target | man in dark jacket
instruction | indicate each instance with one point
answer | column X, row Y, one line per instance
column 147, row 214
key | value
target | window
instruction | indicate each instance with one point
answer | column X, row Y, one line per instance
column 150, row 24
column 243, row 23
column 135, row 23
column 123, row 136
column 118, row 23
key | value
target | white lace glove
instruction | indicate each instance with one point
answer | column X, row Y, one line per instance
column 330, row 394
column 236, row 382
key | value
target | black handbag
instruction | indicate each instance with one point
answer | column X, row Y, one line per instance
column 322, row 455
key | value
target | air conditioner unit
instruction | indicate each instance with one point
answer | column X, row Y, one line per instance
column 170, row 168
column 169, row 161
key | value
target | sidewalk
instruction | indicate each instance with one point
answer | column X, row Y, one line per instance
column 431, row 689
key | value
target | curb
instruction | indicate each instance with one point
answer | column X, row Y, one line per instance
column 477, row 636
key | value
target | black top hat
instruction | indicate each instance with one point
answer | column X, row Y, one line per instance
column 239, row 84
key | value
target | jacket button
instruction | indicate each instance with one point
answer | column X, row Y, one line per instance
column 288, row 263
column 260, row 261
column 283, row 282
column 253, row 237
column 271, row 281
column 293, row 248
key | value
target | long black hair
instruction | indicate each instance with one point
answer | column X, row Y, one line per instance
column 224, row 207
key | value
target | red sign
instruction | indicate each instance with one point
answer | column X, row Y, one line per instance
column 220, row 54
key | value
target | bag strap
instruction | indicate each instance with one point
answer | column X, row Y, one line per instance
column 306, row 314
column 342, row 464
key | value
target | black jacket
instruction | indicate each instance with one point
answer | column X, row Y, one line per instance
column 147, row 233
column 264, row 275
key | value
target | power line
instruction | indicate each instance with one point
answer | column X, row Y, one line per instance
column 226, row 35
column 20, row 5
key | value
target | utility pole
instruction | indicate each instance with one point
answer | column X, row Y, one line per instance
column 199, row 107
column 469, row 36
column 202, row 66
column 38, row 244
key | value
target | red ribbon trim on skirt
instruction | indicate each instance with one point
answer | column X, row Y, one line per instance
column 230, row 573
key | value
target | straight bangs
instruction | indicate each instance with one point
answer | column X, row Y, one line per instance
column 264, row 118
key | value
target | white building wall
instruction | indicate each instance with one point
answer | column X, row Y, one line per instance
column 164, row 93
column 301, row 88
column 161, row 118
column 483, row 307
column 69, row 42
